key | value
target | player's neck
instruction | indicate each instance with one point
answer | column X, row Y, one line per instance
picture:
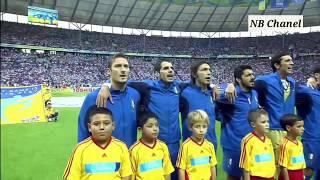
column 204, row 87
column 148, row 141
column 244, row 88
column 292, row 137
column 118, row 86
column 197, row 140
column 283, row 75
column 103, row 143
column 261, row 135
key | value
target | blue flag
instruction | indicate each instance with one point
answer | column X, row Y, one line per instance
column 298, row 1
column 279, row 4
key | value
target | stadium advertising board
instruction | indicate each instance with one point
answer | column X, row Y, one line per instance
column 42, row 15
column 22, row 105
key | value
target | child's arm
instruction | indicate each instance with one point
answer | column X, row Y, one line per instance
column 284, row 173
column 167, row 167
column 167, row 177
column 245, row 158
column 73, row 169
column 213, row 164
column 181, row 173
column 246, row 175
column 126, row 168
column 213, row 173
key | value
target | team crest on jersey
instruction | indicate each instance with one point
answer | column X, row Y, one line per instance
column 311, row 156
column 175, row 90
column 104, row 155
column 132, row 104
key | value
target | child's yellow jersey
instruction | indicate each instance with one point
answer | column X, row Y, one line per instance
column 150, row 162
column 291, row 155
column 197, row 159
column 257, row 156
column 90, row 161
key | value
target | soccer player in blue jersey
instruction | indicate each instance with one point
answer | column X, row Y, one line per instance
column 234, row 118
column 308, row 107
column 276, row 93
column 124, row 108
column 162, row 98
column 199, row 96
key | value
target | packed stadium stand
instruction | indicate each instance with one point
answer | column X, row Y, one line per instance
column 71, row 69
column 71, row 39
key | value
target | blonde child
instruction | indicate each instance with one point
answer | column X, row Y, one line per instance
column 197, row 159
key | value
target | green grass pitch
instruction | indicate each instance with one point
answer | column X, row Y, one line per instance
column 37, row 151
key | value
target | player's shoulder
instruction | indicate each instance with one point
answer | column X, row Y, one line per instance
column 187, row 91
column 162, row 144
column 267, row 77
column 84, row 143
column 248, row 138
column 93, row 94
column 291, row 79
column 119, row 143
column 132, row 91
column 268, row 140
column 186, row 142
column 208, row 143
column 135, row 146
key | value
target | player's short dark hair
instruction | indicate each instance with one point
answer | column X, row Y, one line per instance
column 158, row 64
column 145, row 116
column 238, row 71
column 98, row 110
column 316, row 69
column 114, row 57
column 276, row 59
column 289, row 120
column 254, row 114
column 194, row 69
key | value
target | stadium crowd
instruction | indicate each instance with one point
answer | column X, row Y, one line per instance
column 74, row 70
column 72, row 39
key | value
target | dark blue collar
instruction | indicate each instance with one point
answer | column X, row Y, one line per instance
column 115, row 91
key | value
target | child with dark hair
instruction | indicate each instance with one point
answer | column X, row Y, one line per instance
column 100, row 156
column 291, row 158
column 150, row 157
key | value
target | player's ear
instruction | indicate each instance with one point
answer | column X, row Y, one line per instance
column 277, row 65
column 238, row 80
column 113, row 126
column 288, row 128
column 252, row 124
column 157, row 75
column 89, row 127
column 108, row 71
